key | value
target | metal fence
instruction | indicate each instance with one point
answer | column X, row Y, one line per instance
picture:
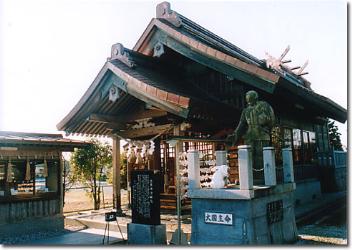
column 303, row 172
column 340, row 159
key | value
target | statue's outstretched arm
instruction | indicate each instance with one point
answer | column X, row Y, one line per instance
column 239, row 131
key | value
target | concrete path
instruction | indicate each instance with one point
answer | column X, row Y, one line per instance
column 86, row 237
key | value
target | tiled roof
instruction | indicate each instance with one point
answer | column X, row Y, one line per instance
column 21, row 138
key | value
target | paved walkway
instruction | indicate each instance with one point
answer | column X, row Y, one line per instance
column 83, row 237
column 93, row 236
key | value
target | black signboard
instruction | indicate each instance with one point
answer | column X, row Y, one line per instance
column 145, row 198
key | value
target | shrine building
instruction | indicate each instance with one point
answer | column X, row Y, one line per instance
column 182, row 81
column 31, row 183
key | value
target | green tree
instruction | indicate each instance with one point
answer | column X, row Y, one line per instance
column 334, row 136
column 88, row 166
column 123, row 172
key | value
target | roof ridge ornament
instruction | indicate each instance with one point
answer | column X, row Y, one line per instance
column 163, row 11
column 118, row 52
column 278, row 65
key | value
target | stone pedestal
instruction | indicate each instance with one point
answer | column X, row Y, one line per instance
column 245, row 167
column 287, row 165
column 246, row 216
column 221, row 157
column 141, row 234
column 193, row 169
column 229, row 220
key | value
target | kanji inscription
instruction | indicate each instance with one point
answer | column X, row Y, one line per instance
column 145, row 197
column 218, row 218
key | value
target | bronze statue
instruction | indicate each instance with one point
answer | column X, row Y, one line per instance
column 255, row 125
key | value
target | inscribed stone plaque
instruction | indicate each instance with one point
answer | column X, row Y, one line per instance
column 145, row 197
column 218, row 218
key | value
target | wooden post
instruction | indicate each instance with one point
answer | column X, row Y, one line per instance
column 245, row 167
column 61, row 185
column 178, row 149
column 166, row 177
column 128, row 183
column 116, row 173
column 157, row 162
column 269, row 166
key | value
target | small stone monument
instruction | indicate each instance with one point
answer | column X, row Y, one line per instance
column 145, row 227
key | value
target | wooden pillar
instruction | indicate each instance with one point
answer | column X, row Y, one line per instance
column 61, row 185
column 156, row 155
column 166, row 176
column 157, row 163
column 116, row 173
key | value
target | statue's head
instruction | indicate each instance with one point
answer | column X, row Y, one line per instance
column 251, row 97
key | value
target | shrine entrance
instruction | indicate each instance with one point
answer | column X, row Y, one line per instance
column 167, row 154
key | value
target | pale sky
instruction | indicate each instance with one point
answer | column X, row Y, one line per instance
column 51, row 50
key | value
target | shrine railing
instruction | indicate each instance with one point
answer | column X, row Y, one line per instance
column 194, row 170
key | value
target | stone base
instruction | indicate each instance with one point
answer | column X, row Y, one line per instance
column 249, row 226
column 141, row 234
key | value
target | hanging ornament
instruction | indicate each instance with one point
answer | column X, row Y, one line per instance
column 132, row 156
column 45, row 171
column 151, row 148
column 9, row 171
column 28, row 171
column 139, row 159
column 144, row 151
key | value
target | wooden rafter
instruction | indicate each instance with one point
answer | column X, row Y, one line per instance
column 135, row 133
column 126, row 118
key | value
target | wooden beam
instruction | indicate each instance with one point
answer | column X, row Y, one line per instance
column 135, row 133
column 126, row 118
column 114, row 126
